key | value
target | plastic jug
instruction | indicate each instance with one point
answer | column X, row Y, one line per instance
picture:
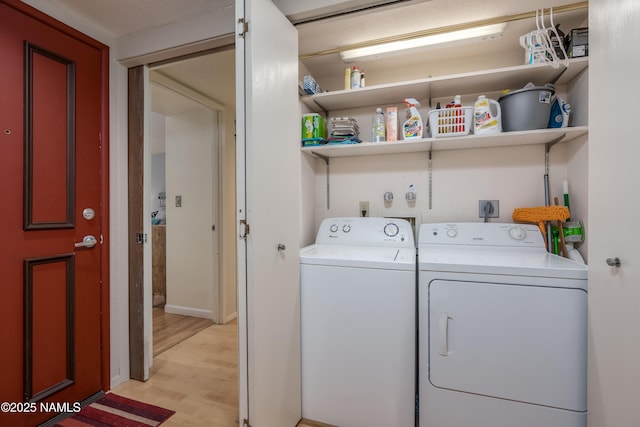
column 486, row 116
column 412, row 128
column 378, row 129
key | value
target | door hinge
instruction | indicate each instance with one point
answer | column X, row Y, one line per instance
column 244, row 229
column 243, row 27
column 141, row 238
column 245, row 422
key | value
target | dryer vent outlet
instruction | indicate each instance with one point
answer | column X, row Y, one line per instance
column 488, row 208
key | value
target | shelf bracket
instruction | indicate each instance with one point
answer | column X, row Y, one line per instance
column 326, row 112
column 430, row 180
column 548, row 146
column 327, row 162
column 564, row 70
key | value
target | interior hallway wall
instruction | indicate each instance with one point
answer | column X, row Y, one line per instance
column 191, row 176
column 158, row 166
column 227, row 220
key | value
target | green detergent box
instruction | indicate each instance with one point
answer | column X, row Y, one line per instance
column 314, row 129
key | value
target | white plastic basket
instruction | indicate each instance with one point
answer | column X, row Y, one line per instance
column 450, row 121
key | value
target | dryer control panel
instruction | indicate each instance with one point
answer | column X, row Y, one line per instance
column 481, row 234
column 366, row 231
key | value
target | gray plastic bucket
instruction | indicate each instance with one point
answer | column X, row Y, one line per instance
column 526, row 109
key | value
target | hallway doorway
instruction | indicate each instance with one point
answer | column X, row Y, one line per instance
column 191, row 136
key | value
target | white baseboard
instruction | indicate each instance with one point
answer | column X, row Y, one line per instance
column 230, row 317
column 188, row 311
column 117, row 380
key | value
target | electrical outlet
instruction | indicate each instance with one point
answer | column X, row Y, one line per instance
column 364, row 208
column 493, row 206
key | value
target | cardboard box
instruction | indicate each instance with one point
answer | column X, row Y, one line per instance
column 392, row 123
column 577, row 42
column 314, row 129
column 310, row 85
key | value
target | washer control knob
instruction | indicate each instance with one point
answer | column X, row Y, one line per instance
column 333, row 228
column 346, row 228
column 517, row 233
column 391, row 229
column 452, row 232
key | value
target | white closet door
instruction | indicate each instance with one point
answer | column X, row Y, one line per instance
column 614, row 199
column 268, row 141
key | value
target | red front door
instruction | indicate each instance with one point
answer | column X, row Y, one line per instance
column 51, row 211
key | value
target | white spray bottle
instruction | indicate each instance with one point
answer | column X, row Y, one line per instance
column 412, row 128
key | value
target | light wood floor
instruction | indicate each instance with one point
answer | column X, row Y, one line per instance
column 170, row 329
column 197, row 378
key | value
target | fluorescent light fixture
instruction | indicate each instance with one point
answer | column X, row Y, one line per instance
column 402, row 47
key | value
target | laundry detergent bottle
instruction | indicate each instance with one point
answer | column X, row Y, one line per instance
column 412, row 128
column 486, row 116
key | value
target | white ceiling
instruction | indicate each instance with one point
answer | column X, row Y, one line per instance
column 120, row 17
column 213, row 76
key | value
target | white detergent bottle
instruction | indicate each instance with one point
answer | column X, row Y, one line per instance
column 486, row 116
column 412, row 128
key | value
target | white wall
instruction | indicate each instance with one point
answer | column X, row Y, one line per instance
column 308, row 185
column 227, row 220
column 158, row 185
column 460, row 178
column 158, row 167
column 191, row 175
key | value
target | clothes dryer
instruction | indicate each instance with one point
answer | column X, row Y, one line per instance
column 502, row 329
column 358, row 323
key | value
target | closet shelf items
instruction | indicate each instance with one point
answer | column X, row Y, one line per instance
column 446, row 86
column 494, row 80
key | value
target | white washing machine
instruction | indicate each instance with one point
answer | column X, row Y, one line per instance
column 358, row 332
column 502, row 329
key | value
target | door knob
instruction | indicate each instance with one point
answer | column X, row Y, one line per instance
column 281, row 247
column 88, row 241
column 614, row 262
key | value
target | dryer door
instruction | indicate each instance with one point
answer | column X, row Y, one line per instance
column 522, row 343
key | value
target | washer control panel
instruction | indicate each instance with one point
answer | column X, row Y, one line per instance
column 481, row 234
column 367, row 231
